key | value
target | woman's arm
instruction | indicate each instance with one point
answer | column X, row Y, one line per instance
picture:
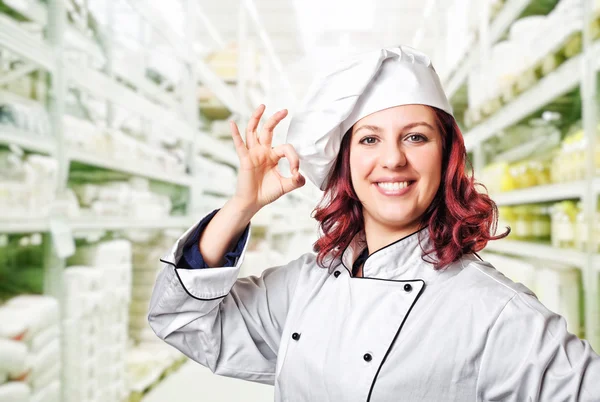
column 232, row 326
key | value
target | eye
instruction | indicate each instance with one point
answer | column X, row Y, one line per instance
column 416, row 138
column 368, row 140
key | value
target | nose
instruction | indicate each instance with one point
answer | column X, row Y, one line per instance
column 393, row 157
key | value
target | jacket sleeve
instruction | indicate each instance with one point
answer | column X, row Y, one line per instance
column 530, row 356
column 232, row 326
column 192, row 258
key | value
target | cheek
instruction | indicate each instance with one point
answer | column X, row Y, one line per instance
column 361, row 165
column 429, row 166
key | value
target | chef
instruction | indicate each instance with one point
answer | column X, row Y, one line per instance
column 394, row 304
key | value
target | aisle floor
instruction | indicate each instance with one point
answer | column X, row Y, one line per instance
column 194, row 383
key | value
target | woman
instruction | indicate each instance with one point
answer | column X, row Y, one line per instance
column 395, row 305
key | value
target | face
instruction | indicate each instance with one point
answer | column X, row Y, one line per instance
column 395, row 165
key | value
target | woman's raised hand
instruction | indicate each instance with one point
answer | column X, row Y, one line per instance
column 259, row 182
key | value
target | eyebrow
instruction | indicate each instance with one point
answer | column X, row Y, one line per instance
column 407, row 127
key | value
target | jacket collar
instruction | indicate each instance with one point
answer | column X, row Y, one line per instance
column 401, row 259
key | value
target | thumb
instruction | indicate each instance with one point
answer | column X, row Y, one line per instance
column 292, row 183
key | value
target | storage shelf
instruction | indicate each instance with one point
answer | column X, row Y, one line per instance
column 23, row 225
column 118, row 223
column 102, row 86
column 21, row 42
column 30, row 142
column 570, row 257
column 27, row 141
column 551, row 192
column 566, row 77
column 107, row 163
column 95, row 223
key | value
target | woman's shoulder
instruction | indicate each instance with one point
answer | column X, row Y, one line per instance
column 487, row 281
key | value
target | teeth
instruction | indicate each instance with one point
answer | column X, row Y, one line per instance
column 393, row 185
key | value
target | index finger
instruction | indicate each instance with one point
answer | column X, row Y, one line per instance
column 266, row 135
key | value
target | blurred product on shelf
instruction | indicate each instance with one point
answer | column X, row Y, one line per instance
column 570, row 162
column 558, row 286
column 24, row 116
column 528, row 222
column 30, row 349
column 27, row 185
column 562, row 224
column 536, row 46
column 132, row 199
column 98, row 291
column 115, row 145
column 564, row 228
column 541, row 160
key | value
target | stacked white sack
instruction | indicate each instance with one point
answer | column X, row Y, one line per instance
column 82, row 333
column 30, row 357
column 112, row 261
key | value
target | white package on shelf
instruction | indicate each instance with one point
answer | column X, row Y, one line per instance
column 51, row 393
column 28, row 316
column 13, row 358
column 43, row 362
column 112, row 262
column 83, row 332
column 42, row 381
column 15, row 392
column 46, row 336
column 106, row 253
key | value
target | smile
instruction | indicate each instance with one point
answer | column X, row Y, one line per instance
column 394, row 188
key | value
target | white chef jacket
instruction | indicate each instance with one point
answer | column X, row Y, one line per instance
column 403, row 332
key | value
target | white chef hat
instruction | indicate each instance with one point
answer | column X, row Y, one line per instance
column 356, row 88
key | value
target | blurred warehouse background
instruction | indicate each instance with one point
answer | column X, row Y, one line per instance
column 114, row 139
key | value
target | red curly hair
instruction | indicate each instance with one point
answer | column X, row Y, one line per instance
column 460, row 219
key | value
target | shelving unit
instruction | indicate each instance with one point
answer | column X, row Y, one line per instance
column 551, row 192
column 167, row 111
column 576, row 73
column 535, row 250
column 566, row 77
